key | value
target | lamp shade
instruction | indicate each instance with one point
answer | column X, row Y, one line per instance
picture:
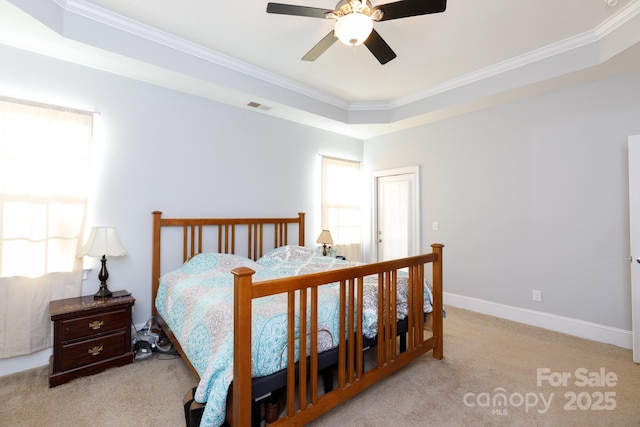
column 103, row 241
column 325, row 238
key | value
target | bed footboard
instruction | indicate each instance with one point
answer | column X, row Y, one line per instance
column 303, row 402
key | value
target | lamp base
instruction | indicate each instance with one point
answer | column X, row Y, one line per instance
column 102, row 293
column 103, row 275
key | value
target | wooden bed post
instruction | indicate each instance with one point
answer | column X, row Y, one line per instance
column 301, row 229
column 242, row 284
column 437, row 301
column 155, row 263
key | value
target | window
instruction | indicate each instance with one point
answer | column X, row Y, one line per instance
column 44, row 177
column 341, row 204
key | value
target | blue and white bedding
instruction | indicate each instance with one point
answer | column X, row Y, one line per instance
column 196, row 301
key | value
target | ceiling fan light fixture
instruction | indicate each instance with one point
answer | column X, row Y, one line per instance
column 354, row 22
column 353, row 29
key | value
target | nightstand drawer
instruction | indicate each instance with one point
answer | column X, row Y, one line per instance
column 92, row 350
column 91, row 325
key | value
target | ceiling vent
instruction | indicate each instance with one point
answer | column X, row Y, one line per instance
column 259, row 106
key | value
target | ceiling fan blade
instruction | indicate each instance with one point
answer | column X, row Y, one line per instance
column 290, row 9
column 321, row 47
column 379, row 48
column 407, row 8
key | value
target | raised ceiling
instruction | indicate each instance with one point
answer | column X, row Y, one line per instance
column 476, row 53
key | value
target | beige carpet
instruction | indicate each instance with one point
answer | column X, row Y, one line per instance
column 485, row 358
column 145, row 393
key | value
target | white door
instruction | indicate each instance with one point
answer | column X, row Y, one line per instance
column 634, row 228
column 396, row 233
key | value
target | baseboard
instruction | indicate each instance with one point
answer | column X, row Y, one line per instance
column 566, row 325
column 22, row 363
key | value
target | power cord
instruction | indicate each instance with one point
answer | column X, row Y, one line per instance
column 141, row 348
column 151, row 342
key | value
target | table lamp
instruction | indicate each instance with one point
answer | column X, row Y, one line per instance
column 325, row 239
column 103, row 241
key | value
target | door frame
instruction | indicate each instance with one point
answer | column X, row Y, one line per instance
column 407, row 170
column 634, row 242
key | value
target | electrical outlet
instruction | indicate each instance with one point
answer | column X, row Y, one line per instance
column 537, row 295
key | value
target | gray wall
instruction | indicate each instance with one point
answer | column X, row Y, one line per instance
column 184, row 155
column 531, row 195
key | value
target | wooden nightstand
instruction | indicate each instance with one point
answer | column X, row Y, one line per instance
column 89, row 335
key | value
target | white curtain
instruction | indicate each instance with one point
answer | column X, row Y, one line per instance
column 25, row 324
column 44, row 181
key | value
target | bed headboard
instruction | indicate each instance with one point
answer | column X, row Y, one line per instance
column 223, row 235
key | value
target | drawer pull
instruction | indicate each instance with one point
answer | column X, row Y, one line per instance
column 96, row 324
column 94, row 351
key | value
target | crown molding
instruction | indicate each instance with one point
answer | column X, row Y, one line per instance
column 626, row 14
column 594, row 36
column 485, row 73
column 138, row 29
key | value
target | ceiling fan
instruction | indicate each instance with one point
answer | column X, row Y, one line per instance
column 354, row 22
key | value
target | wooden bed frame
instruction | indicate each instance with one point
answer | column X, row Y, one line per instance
column 303, row 400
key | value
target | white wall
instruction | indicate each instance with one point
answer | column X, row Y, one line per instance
column 184, row 155
column 531, row 195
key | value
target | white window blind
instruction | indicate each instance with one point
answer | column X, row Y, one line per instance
column 341, row 200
